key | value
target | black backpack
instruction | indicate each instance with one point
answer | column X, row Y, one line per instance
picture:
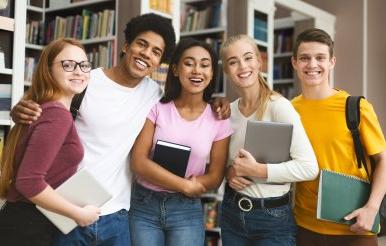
column 352, row 121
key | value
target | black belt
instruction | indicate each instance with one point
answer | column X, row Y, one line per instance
column 247, row 203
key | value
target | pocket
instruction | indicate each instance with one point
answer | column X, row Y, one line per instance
column 140, row 196
column 279, row 212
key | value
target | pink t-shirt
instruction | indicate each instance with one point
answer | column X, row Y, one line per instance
column 199, row 134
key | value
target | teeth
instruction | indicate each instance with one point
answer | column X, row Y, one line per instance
column 141, row 63
column 196, row 80
column 244, row 75
column 312, row 73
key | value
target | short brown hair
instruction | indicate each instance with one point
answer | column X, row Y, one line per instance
column 314, row 35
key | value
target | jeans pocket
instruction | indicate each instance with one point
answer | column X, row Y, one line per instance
column 279, row 212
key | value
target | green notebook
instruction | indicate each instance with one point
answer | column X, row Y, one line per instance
column 341, row 194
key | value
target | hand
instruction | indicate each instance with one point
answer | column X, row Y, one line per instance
column 221, row 106
column 193, row 188
column 25, row 112
column 87, row 215
column 235, row 182
column 365, row 217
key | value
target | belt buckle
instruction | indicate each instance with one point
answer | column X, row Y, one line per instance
column 245, row 204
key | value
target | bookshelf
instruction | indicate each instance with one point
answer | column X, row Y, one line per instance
column 206, row 20
column 12, row 35
column 283, row 75
column 91, row 21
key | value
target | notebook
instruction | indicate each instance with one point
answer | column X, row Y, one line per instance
column 268, row 142
column 171, row 156
column 341, row 194
column 81, row 189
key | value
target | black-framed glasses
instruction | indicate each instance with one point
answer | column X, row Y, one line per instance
column 70, row 65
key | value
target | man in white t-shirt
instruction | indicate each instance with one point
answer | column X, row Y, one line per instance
column 111, row 115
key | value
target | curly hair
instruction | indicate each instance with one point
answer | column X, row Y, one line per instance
column 154, row 23
column 173, row 84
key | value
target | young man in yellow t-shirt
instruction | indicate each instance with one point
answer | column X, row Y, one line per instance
column 322, row 111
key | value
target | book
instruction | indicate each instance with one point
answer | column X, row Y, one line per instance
column 171, row 156
column 81, row 189
column 339, row 195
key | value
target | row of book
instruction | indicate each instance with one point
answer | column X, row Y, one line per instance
column 89, row 25
column 282, row 69
column 5, row 100
column 35, row 32
column 29, row 68
column 164, row 6
column 198, row 17
column 283, row 41
column 286, row 90
column 159, row 75
column 260, row 31
column 103, row 55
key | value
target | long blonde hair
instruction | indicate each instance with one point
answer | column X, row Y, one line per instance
column 265, row 92
column 43, row 89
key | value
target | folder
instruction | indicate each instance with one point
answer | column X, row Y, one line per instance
column 339, row 195
column 171, row 156
column 268, row 142
column 81, row 189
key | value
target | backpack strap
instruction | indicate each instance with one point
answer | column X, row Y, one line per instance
column 76, row 102
column 352, row 121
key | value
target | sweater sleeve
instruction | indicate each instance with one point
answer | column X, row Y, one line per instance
column 303, row 164
column 46, row 138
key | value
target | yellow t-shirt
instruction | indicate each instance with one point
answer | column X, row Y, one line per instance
column 325, row 124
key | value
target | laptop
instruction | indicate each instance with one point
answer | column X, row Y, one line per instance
column 81, row 189
column 268, row 142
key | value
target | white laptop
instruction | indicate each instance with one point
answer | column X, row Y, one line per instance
column 268, row 142
column 81, row 189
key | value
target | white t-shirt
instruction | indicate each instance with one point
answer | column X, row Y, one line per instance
column 109, row 120
column 303, row 165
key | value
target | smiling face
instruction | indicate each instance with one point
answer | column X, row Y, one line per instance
column 143, row 55
column 313, row 64
column 241, row 63
column 71, row 82
column 194, row 70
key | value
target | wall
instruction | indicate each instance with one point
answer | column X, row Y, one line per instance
column 377, row 58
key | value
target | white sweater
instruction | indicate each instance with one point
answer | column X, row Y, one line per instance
column 303, row 165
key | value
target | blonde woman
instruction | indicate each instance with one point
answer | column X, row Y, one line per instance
column 39, row 157
column 259, row 212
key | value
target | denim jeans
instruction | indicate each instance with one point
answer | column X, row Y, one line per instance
column 165, row 219
column 22, row 224
column 109, row 230
column 258, row 227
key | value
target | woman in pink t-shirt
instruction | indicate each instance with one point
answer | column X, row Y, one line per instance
column 165, row 207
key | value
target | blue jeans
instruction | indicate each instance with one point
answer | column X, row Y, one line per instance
column 109, row 230
column 258, row 227
column 165, row 219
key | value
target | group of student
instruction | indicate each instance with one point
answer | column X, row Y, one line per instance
column 124, row 112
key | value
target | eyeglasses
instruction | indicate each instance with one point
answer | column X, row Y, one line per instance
column 70, row 66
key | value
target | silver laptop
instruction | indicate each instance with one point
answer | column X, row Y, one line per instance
column 81, row 189
column 268, row 142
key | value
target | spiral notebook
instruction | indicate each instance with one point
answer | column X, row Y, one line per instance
column 341, row 194
column 81, row 189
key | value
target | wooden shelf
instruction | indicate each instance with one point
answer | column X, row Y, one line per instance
column 34, row 46
column 97, row 40
column 283, row 81
column 77, row 5
column 6, row 71
column 35, row 9
column 7, row 24
column 203, row 31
